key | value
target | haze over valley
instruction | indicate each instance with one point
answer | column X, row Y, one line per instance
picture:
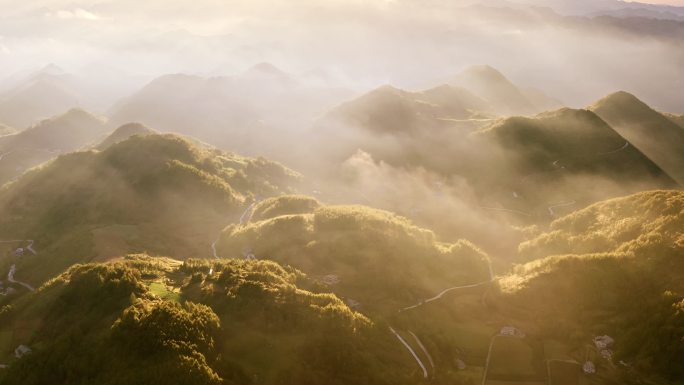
column 301, row 192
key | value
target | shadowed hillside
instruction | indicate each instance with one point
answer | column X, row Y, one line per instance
column 651, row 132
column 558, row 156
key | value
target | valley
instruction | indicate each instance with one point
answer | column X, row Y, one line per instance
column 334, row 192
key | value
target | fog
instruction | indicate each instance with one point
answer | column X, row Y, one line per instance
column 271, row 78
column 352, row 44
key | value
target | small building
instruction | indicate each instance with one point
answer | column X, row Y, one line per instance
column 460, row 364
column 607, row 354
column 353, row 304
column 589, row 368
column 511, row 331
column 603, row 342
column 21, row 351
column 19, row 252
column 331, row 279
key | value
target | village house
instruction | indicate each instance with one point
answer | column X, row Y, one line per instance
column 331, row 279
column 511, row 331
column 21, row 351
column 353, row 304
column 589, row 368
column 603, row 342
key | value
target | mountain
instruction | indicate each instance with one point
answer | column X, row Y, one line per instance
column 651, row 132
column 42, row 95
column 395, row 111
column 155, row 193
column 159, row 321
column 7, row 130
column 565, row 156
column 124, row 132
column 506, row 98
column 47, row 139
column 679, row 119
column 377, row 258
column 614, row 268
column 252, row 112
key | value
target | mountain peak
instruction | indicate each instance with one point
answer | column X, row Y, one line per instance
column 620, row 100
column 51, row 69
column 265, row 69
column 485, row 72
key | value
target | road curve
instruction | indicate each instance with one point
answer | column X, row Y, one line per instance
column 617, row 150
column 558, row 205
column 445, row 291
column 489, row 354
column 244, row 219
column 440, row 295
column 10, row 277
column 422, row 347
column 506, row 210
column 415, row 356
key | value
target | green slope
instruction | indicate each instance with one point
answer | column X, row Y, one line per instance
column 623, row 278
column 382, row 260
column 158, row 193
column 236, row 322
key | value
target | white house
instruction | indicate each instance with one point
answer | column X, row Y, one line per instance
column 21, row 351
column 589, row 367
column 331, row 279
column 603, row 342
column 511, row 331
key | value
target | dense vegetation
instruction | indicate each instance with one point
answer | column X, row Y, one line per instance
column 378, row 257
column 158, row 193
column 616, row 270
column 235, row 322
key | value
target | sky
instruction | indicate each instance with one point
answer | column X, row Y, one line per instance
column 358, row 44
column 679, row 3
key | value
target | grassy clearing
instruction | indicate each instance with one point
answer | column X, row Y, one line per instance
column 563, row 372
column 5, row 342
column 516, row 359
column 161, row 290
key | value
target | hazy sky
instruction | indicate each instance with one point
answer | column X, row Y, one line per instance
column 353, row 43
column 669, row 2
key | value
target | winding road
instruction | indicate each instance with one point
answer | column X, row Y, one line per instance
column 408, row 347
column 13, row 268
column 422, row 347
column 244, row 219
column 445, row 291
column 558, row 205
column 618, row 150
column 507, row 210
column 10, row 277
